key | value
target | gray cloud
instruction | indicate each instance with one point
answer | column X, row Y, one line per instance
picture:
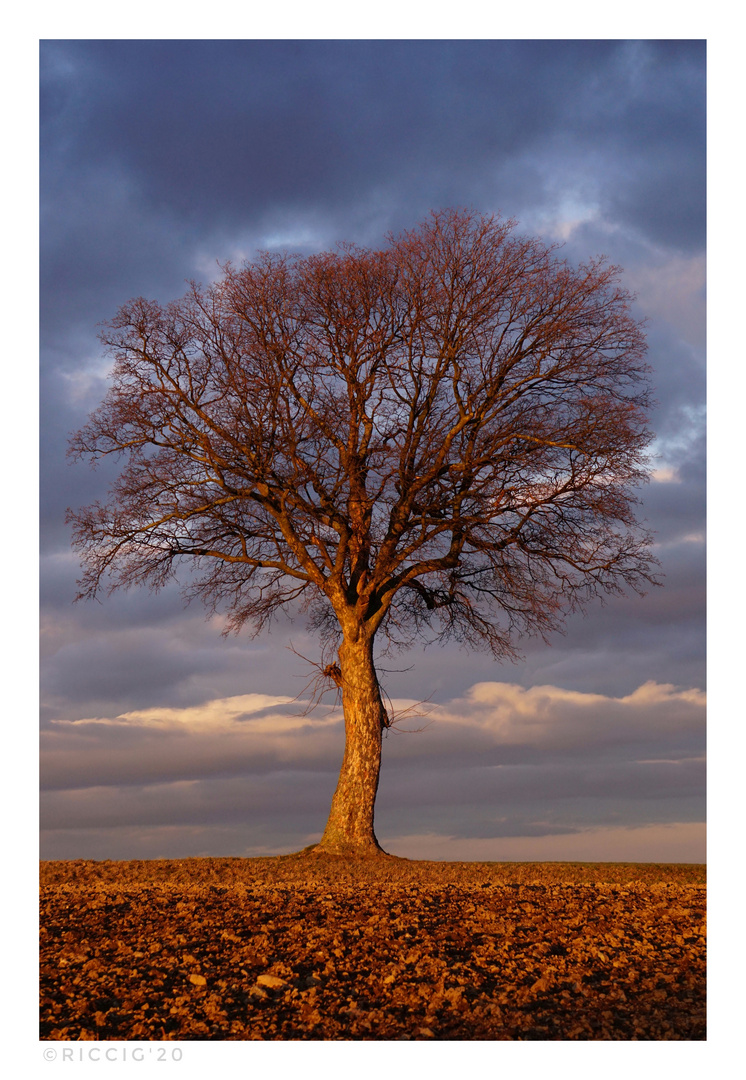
column 205, row 128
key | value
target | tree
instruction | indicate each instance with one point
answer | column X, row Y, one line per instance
column 442, row 437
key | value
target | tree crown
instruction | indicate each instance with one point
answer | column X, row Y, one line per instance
column 444, row 435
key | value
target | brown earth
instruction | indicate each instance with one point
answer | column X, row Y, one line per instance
column 310, row 947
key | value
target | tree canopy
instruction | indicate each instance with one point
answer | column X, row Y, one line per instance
column 441, row 438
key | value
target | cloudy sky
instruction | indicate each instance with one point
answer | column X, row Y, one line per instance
column 159, row 158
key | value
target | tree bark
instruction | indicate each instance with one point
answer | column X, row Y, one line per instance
column 349, row 830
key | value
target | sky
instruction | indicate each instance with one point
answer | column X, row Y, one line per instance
column 159, row 159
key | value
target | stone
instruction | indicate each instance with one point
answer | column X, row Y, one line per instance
column 272, row 981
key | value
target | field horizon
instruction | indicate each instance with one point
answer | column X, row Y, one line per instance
column 294, row 864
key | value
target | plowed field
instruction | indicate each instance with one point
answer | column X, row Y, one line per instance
column 305, row 947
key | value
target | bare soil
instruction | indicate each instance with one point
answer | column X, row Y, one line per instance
column 313, row 947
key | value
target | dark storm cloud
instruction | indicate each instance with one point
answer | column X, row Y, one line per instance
column 210, row 129
column 207, row 135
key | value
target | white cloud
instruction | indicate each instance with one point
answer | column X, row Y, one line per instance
column 220, row 715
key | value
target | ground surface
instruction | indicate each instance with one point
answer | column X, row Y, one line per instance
column 321, row 948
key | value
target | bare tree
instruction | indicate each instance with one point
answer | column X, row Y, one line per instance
column 443, row 437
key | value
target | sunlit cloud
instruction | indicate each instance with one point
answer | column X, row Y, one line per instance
column 665, row 475
column 501, row 772
column 216, row 716
column 551, row 716
column 255, row 733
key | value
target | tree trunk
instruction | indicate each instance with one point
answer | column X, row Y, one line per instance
column 349, row 830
